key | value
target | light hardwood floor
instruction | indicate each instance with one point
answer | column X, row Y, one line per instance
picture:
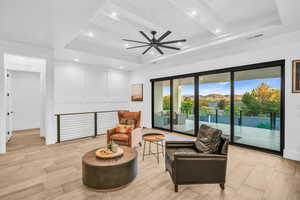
column 33, row 171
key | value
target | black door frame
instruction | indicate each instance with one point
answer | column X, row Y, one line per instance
column 277, row 63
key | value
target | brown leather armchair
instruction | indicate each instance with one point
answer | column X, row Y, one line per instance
column 132, row 138
column 187, row 166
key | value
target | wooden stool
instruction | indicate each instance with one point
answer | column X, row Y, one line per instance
column 157, row 139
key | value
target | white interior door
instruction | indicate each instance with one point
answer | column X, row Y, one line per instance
column 9, row 112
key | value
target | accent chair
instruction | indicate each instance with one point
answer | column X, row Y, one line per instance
column 132, row 136
column 193, row 162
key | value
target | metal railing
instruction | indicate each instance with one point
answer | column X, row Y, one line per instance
column 71, row 126
column 270, row 118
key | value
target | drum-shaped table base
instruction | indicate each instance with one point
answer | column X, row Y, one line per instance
column 109, row 174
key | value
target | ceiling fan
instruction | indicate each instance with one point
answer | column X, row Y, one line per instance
column 155, row 42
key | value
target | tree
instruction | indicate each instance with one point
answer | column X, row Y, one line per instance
column 203, row 102
column 166, row 102
column 261, row 100
column 222, row 104
column 187, row 107
column 250, row 104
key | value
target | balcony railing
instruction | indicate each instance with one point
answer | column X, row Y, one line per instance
column 72, row 126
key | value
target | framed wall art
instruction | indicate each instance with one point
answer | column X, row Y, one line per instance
column 137, row 92
column 296, row 76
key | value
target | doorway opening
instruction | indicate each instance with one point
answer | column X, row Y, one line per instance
column 24, row 107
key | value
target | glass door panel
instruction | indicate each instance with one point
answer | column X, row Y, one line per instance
column 183, row 105
column 162, row 104
column 257, row 107
column 214, row 101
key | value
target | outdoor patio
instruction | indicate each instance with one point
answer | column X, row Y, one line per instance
column 260, row 137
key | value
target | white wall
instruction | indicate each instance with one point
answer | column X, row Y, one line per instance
column 83, row 88
column 277, row 48
column 25, row 99
column 2, row 106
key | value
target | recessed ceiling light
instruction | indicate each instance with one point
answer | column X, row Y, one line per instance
column 121, row 67
column 179, row 44
column 217, row 31
column 126, row 45
column 114, row 15
column 90, row 34
column 76, row 59
column 193, row 13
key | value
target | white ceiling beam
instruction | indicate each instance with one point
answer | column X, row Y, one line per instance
column 201, row 14
column 275, row 29
column 130, row 19
column 95, row 49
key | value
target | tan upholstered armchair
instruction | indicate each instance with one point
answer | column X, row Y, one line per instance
column 132, row 138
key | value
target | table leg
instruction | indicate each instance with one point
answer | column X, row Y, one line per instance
column 157, row 152
column 149, row 148
column 162, row 146
column 144, row 149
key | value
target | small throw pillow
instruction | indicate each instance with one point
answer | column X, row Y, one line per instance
column 123, row 121
column 130, row 122
column 208, row 139
column 123, row 128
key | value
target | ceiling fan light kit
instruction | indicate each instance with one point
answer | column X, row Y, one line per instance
column 154, row 42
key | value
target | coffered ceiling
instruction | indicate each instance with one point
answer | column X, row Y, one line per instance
column 92, row 31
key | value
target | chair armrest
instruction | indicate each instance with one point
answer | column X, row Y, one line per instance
column 180, row 144
column 111, row 131
column 136, row 137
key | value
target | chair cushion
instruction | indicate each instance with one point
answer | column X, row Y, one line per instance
column 119, row 136
column 170, row 151
column 121, row 128
column 208, row 140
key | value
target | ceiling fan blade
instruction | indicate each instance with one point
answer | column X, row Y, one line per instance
column 147, row 49
column 168, row 47
column 144, row 34
column 135, row 41
column 138, row 46
column 164, row 35
column 159, row 50
column 173, row 41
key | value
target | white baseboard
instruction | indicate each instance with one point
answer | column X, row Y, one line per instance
column 292, row 155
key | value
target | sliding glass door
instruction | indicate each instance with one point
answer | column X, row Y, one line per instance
column 246, row 103
column 162, row 103
column 257, row 107
column 214, row 101
column 183, row 105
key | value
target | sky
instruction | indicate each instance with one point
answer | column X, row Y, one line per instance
column 224, row 87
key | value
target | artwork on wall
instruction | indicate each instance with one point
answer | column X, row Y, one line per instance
column 296, row 76
column 137, row 92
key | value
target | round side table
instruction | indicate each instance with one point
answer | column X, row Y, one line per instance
column 155, row 138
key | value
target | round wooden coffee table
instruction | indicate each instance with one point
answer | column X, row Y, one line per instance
column 155, row 138
column 109, row 174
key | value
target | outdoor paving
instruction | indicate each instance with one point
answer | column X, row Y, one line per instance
column 259, row 137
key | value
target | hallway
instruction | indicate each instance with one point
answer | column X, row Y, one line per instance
column 25, row 139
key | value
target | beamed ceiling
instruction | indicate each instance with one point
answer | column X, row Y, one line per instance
column 92, row 31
